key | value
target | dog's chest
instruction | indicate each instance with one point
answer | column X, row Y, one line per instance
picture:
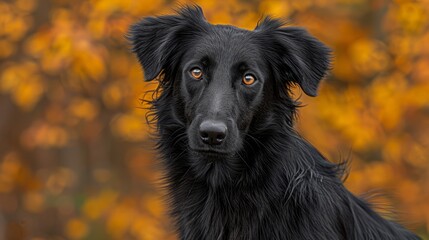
column 224, row 216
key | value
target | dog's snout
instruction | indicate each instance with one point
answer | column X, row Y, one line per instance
column 213, row 132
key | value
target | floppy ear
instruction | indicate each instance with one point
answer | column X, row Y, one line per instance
column 298, row 56
column 157, row 40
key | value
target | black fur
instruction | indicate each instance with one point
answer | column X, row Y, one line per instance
column 263, row 181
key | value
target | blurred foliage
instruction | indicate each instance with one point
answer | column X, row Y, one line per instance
column 75, row 158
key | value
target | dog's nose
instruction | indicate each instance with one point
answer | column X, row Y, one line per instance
column 212, row 132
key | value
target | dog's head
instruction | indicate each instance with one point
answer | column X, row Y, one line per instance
column 223, row 78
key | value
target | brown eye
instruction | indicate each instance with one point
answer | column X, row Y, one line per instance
column 248, row 79
column 196, row 73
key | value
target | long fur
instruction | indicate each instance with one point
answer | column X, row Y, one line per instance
column 277, row 186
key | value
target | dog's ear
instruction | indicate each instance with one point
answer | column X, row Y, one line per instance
column 157, row 41
column 296, row 55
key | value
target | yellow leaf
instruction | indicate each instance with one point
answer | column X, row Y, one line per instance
column 94, row 207
column 83, row 108
column 34, row 202
column 76, row 228
column 120, row 220
column 130, row 127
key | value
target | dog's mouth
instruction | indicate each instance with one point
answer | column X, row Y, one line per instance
column 213, row 153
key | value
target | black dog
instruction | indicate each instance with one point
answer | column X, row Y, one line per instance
column 235, row 167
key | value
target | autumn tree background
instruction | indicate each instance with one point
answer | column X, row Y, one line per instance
column 75, row 151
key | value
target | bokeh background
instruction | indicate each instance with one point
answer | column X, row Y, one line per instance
column 75, row 150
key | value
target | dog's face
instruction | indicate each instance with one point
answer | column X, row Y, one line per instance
column 222, row 77
column 222, row 85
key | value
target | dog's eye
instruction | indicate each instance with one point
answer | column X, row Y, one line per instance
column 248, row 79
column 196, row 73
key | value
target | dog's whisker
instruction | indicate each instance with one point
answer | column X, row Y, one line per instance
column 239, row 155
